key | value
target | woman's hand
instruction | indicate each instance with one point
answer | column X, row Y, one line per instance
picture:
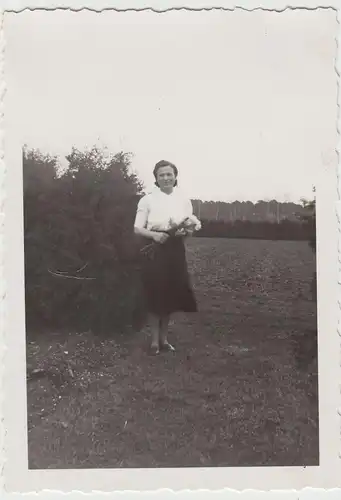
column 180, row 232
column 160, row 237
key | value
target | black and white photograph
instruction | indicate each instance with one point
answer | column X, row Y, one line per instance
column 170, row 184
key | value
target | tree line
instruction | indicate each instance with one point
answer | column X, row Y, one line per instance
column 270, row 211
column 81, row 258
column 261, row 230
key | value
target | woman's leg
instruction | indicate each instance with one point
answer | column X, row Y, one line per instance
column 156, row 321
column 164, row 323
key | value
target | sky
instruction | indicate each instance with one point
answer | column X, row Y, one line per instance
column 244, row 103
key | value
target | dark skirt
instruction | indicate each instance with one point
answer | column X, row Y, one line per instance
column 165, row 277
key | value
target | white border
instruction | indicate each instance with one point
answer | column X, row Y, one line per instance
column 327, row 192
column 163, row 5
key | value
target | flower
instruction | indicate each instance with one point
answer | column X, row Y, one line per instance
column 188, row 224
column 192, row 222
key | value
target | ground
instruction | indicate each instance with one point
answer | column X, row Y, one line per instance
column 241, row 390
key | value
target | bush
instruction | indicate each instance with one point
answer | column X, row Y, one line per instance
column 308, row 217
column 81, row 260
column 309, row 221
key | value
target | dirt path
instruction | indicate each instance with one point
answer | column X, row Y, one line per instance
column 236, row 392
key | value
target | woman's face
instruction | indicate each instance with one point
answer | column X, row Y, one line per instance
column 165, row 178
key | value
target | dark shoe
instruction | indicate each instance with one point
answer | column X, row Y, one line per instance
column 154, row 349
column 166, row 346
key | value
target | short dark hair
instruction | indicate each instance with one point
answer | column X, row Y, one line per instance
column 165, row 163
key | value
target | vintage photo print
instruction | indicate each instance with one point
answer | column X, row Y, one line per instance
column 171, row 250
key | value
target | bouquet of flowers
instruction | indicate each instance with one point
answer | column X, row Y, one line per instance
column 186, row 227
column 175, row 229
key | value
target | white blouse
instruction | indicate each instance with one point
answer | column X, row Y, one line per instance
column 157, row 209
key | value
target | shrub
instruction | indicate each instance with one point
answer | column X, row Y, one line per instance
column 81, row 265
column 308, row 217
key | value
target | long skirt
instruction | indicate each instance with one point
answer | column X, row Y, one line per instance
column 166, row 280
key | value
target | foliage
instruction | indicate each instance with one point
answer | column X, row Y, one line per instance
column 262, row 230
column 308, row 217
column 81, row 265
column 261, row 211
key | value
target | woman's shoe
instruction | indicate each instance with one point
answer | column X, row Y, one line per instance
column 155, row 349
column 166, row 346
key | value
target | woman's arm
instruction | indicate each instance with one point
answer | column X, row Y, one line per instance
column 142, row 231
column 141, row 220
column 152, row 235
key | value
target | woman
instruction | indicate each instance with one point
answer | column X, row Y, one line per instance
column 165, row 275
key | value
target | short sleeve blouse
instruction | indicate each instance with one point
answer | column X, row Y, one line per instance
column 156, row 209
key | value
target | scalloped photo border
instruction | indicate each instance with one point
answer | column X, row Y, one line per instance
column 329, row 241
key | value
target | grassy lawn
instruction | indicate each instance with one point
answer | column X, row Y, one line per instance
column 241, row 390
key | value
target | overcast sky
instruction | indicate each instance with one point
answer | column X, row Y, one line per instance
column 244, row 103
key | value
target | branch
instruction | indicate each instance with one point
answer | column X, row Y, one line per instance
column 60, row 274
column 82, row 268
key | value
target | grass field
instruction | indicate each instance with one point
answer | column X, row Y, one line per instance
column 241, row 390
